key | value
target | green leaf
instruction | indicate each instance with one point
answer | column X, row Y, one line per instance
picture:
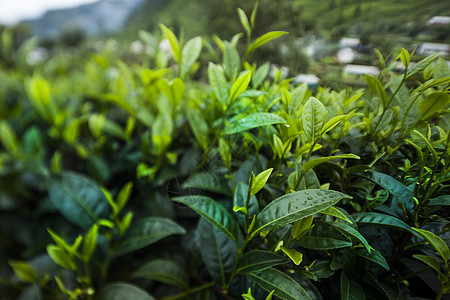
column 119, row 291
column 313, row 118
column 260, row 180
column 60, row 257
column 218, row 84
column 23, row 271
column 331, row 124
column 253, row 120
column 375, row 85
column 199, row 126
column 173, row 41
column 213, row 212
column 374, row 256
column 283, row 286
column 324, row 236
column 382, row 219
column 421, row 65
column 432, row 104
column 317, row 161
column 78, row 198
column 350, row 289
column 123, row 196
column 146, row 232
column 244, row 21
column 346, row 229
column 399, row 192
column 443, row 200
column 163, row 270
column 300, row 227
column 293, row 254
column 257, row 260
column 8, row 138
column 430, row 261
column 231, row 60
column 265, row 38
column 332, row 211
column 191, row 52
column 240, row 85
column 89, row 243
column 296, row 206
column 405, row 57
column 218, row 251
column 436, row 242
column 208, row 182
column 240, row 201
column 260, row 74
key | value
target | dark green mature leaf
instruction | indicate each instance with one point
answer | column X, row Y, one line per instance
column 213, row 212
column 430, row 261
column 190, row 53
column 382, row 219
column 218, row 251
column 433, row 103
column 146, row 232
column 240, row 199
column 32, row 292
column 284, row 286
column 314, row 116
column 120, row 291
column 257, row 260
column 439, row 201
column 208, row 182
column 399, row 192
column 164, row 270
column 265, row 38
column 79, row 199
column 374, row 256
column 296, row 206
column 324, row 236
column 350, row 289
column 218, row 84
column 353, row 233
column 252, row 121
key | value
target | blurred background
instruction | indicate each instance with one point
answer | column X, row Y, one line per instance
column 331, row 42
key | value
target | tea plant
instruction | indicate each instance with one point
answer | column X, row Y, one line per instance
column 140, row 181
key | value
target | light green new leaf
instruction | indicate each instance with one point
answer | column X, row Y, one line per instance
column 218, row 84
column 433, row 103
column 89, row 243
column 382, row 219
column 213, row 212
column 283, row 286
column 240, row 85
column 436, row 242
column 253, row 120
column 23, row 271
column 375, row 85
column 199, row 126
column 296, row 206
column 300, row 227
column 163, row 270
column 231, row 61
column 257, row 260
column 421, row 65
column 332, row 211
column 117, row 291
column 313, row 118
column 331, row 124
column 260, row 74
column 405, row 57
column 317, row 161
column 190, row 53
column 146, row 232
column 124, row 195
column 244, row 21
column 259, row 181
column 265, row 38
column 293, row 254
column 8, row 138
column 173, row 41
column 346, row 229
column 60, row 257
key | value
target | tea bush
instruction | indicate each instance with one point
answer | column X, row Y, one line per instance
column 140, row 181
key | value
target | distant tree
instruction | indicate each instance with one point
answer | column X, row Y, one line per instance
column 72, row 36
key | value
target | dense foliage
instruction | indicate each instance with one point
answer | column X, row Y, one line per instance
column 134, row 181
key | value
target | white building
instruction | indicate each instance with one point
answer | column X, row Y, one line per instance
column 349, row 42
column 347, row 55
column 360, row 70
column 310, row 79
column 439, row 20
column 432, row 48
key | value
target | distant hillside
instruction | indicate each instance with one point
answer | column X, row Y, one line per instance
column 102, row 17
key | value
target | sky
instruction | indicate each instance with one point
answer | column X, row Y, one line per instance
column 13, row 11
